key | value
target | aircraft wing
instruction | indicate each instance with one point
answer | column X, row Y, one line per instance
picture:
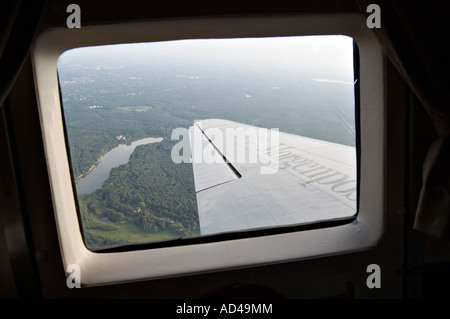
column 247, row 177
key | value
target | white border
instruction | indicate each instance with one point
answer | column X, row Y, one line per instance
column 107, row 268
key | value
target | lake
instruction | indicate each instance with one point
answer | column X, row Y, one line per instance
column 117, row 156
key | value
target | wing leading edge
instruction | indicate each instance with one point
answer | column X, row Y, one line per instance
column 247, row 177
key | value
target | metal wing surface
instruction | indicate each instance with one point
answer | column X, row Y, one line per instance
column 248, row 177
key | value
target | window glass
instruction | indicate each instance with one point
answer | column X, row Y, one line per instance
column 186, row 138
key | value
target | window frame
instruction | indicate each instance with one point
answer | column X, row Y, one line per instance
column 254, row 248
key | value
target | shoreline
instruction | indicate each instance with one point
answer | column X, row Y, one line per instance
column 102, row 156
column 91, row 168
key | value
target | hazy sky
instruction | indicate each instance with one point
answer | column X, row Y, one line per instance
column 331, row 55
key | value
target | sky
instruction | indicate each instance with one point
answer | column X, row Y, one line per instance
column 330, row 56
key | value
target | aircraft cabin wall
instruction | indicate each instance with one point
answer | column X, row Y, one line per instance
column 413, row 265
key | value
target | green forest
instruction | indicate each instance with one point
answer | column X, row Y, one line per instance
column 149, row 196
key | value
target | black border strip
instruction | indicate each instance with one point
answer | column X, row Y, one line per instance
column 357, row 78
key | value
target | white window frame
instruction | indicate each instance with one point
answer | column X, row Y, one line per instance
column 108, row 268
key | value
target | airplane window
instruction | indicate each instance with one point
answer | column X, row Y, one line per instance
column 194, row 138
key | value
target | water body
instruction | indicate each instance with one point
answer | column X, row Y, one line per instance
column 117, row 156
